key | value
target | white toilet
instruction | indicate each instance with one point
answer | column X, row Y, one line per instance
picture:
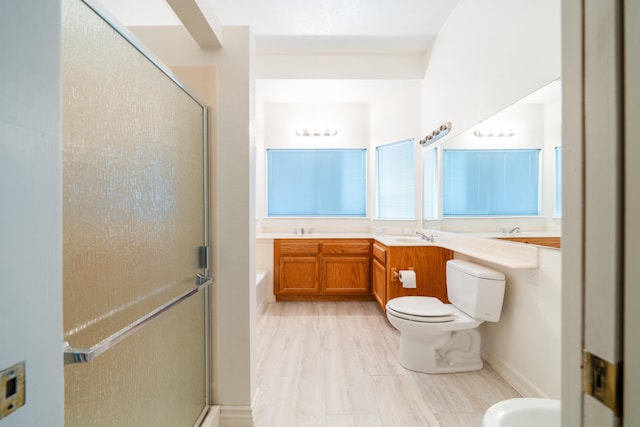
column 440, row 338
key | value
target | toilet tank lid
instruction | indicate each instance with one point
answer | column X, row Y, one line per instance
column 475, row 270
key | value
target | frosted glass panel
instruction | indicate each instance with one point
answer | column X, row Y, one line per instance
column 133, row 219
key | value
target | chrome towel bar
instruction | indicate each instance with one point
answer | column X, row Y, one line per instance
column 85, row 355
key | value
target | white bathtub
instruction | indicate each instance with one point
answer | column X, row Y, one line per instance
column 523, row 412
column 262, row 290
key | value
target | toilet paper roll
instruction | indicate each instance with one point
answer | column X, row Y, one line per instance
column 408, row 278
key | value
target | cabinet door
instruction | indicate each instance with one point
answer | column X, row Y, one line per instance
column 380, row 253
column 380, row 283
column 345, row 275
column 298, row 275
column 429, row 264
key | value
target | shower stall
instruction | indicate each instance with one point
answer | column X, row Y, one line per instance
column 135, row 259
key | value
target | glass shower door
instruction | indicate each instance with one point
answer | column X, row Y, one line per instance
column 133, row 228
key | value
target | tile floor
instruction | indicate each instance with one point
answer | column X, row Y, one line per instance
column 334, row 364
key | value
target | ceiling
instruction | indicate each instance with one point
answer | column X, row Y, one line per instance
column 312, row 26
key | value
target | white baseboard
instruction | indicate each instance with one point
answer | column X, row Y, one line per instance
column 522, row 384
column 212, row 419
column 236, row 416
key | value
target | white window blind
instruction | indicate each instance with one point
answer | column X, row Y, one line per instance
column 322, row 182
column 558, row 205
column 430, row 183
column 490, row 182
column 396, row 181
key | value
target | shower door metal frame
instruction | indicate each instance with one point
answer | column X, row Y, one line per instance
column 204, row 282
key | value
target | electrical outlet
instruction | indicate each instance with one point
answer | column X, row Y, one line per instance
column 532, row 276
column 12, row 386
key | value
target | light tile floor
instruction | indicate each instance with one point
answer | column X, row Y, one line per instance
column 334, row 364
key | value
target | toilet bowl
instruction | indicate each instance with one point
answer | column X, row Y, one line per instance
column 523, row 412
column 442, row 338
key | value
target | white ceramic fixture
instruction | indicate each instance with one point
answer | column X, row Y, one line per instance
column 523, row 412
column 441, row 338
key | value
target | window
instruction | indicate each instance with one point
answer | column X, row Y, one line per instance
column 558, row 206
column 396, row 182
column 490, row 182
column 430, row 183
column 316, row 182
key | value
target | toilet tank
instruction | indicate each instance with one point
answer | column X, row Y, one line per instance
column 475, row 289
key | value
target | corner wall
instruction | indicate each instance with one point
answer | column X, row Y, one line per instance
column 524, row 346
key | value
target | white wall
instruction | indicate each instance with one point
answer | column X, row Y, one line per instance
column 282, row 119
column 488, row 55
column 340, row 67
column 31, row 206
column 525, row 345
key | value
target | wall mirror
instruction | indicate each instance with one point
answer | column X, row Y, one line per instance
column 512, row 187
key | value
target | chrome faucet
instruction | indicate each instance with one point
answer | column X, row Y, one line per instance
column 423, row 236
column 514, row 230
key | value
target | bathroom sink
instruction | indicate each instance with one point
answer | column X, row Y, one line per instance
column 412, row 240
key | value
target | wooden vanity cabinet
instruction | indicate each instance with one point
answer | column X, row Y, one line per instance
column 552, row 242
column 297, row 266
column 428, row 262
column 322, row 269
column 355, row 269
column 379, row 273
column 345, row 267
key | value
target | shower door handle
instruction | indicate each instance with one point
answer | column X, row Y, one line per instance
column 74, row 355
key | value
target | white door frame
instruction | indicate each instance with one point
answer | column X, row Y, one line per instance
column 601, row 205
column 631, row 351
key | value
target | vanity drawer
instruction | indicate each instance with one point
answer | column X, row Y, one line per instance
column 380, row 253
column 299, row 248
column 347, row 248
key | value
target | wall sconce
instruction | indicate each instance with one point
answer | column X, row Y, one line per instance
column 494, row 133
column 436, row 134
column 317, row 132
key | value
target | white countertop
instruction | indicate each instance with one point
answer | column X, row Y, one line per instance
column 497, row 251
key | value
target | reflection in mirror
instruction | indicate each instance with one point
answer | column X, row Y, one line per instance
column 472, row 185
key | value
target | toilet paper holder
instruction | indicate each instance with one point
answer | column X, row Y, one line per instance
column 395, row 276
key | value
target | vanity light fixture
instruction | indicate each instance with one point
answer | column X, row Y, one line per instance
column 317, row 131
column 494, row 133
column 436, row 134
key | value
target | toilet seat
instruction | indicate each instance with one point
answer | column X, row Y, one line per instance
column 422, row 309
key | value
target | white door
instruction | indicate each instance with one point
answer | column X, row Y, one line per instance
column 603, row 230
column 631, row 352
column 600, row 259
